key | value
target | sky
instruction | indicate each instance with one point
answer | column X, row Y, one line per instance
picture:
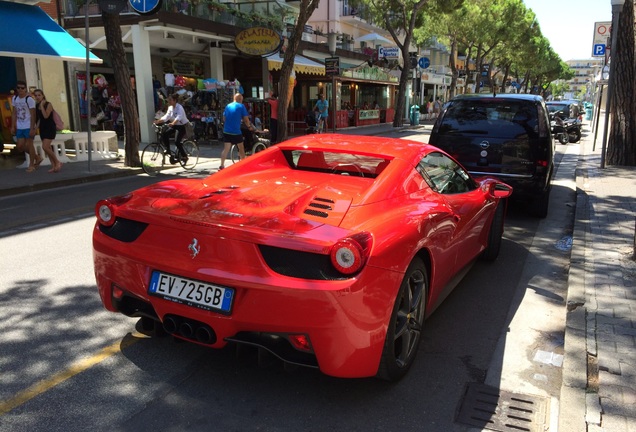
column 569, row 24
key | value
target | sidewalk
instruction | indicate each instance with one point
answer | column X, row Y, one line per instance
column 16, row 181
column 599, row 371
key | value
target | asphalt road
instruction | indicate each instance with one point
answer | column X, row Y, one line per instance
column 68, row 365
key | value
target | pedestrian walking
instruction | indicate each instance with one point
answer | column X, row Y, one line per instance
column 23, row 124
column 46, row 125
column 429, row 109
column 437, row 107
column 273, row 117
column 234, row 114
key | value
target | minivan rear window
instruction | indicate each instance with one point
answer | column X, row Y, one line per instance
column 503, row 118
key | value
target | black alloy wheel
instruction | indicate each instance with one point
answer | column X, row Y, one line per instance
column 406, row 324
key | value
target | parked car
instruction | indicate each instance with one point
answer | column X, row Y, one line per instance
column 327, row 250
column 506, row 136
column 578, row 108
column 568, row 109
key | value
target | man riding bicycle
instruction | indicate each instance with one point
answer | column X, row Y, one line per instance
column 323, row 112
column 176, row 118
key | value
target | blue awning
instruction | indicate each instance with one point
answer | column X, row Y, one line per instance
column 27, row 31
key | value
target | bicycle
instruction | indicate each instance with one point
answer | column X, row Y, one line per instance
column 153, row 157
column 321, row 124
column 252, row 143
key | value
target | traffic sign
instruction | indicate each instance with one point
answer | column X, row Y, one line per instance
column 601, row 37
column 332, row 66
column 145, row 7
column 599, row 50
column 424, row 62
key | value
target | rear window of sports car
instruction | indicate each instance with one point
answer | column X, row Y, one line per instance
column 353, row 164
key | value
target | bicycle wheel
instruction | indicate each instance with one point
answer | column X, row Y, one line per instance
column 152, row 159
column 192, row 150
column 234, row 153
column 258, row 147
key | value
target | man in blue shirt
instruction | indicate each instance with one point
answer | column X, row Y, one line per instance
column 323, row 110
column 235, row 113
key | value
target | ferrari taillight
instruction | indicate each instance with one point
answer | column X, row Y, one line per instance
column 105, row 209
column 350, row 254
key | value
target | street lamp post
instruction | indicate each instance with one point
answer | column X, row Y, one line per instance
column 617, row 7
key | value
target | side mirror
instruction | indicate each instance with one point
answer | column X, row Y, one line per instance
column 500, row 190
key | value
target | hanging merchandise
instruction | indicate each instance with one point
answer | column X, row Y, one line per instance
column 210, row 84
column 169, row 79
column 99, row 80
column 179, row 81
column 82, row 89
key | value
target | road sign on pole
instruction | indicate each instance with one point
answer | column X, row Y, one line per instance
column 601, row 38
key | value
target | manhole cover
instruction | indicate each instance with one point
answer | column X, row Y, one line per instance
column 494, row 409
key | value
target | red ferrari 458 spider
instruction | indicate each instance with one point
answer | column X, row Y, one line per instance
column 327, row 250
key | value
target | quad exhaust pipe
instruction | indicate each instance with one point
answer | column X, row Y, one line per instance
column 189, row 329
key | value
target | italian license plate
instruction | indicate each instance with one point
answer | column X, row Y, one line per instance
column 191, row 292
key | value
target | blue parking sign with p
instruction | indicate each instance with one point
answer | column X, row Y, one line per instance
column 599, row 50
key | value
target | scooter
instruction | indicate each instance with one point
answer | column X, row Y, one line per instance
column 558, row 126
column 573, row 129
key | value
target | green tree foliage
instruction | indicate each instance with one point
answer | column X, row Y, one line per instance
column 400, row 18
column 500, row 36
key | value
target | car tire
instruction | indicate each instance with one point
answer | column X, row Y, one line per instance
column 404, row 332
column 540, row 205
column 495, row 234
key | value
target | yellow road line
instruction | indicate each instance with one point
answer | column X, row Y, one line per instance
column 82, row 365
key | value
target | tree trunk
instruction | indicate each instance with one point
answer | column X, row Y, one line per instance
column 129, row 110
column 400, row 103
column 453, row 67
column 621, row 145
column 307, row 7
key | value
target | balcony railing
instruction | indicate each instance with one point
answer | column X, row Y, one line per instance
column 266, row 13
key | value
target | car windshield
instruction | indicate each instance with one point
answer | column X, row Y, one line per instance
column 507, row 119
column 556, row 107
column 340, row 163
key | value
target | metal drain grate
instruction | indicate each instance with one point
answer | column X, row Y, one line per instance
column 494, row 409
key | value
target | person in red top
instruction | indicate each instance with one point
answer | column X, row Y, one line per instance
column 273, row 121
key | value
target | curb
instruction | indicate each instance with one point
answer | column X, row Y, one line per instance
column 117, row 173
column 572, row 403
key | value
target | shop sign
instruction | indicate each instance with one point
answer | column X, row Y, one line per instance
column 332, row 65
column 369, row 73
column 183, row 66
column 389, row 53
column 368, row 114
column 258, row 41
column 433, row 78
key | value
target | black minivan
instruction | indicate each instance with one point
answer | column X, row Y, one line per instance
column 505, row 136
